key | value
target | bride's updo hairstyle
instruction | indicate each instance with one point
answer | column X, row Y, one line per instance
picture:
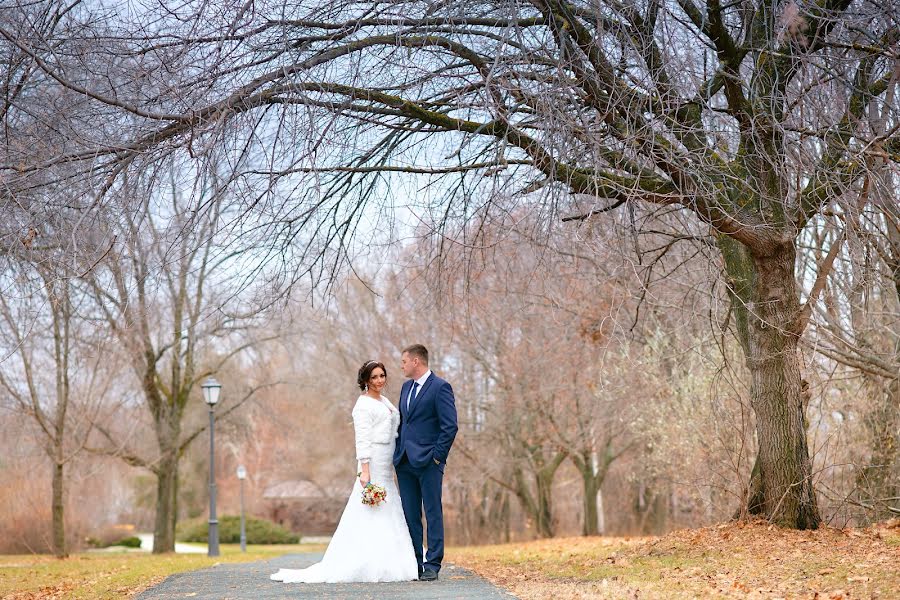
column 365, row 372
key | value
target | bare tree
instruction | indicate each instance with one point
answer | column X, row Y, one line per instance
column 170, row 293
column 748, row 118
column 858, row 326
column 55, row 369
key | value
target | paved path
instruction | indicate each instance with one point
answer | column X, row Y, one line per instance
column 250, row 581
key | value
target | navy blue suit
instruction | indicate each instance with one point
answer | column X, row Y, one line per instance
column 427, row 430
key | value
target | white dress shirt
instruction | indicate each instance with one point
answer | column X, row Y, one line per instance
column 421, row 381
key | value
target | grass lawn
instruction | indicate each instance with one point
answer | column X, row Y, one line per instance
column 735, row 560
column 114, row 575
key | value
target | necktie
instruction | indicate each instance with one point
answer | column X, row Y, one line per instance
column 412, row 394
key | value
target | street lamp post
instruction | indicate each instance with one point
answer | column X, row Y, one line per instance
column 211, row 389
column 242, row 475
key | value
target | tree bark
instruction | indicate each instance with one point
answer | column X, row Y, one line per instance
column 544, row 481
column 168, row 432
column 766, row 306
column 783, row 491
column 498, row 514
column 540, row 505
column 590, row 525
column 166, row 504
column 592, row 477
column 756, row 502
column 58, row 512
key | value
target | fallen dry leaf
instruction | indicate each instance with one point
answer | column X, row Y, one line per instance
column 746, row 560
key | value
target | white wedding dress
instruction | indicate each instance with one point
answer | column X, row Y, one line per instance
column 371, row 543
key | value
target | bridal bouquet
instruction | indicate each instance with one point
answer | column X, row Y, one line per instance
column 373, row 495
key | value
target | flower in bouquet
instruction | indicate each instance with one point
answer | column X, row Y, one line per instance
column 373, row 494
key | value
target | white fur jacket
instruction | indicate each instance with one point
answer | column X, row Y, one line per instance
column 375, row 423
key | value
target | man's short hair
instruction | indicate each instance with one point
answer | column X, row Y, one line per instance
column 419, row 351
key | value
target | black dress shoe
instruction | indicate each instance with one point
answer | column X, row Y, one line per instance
column 428, row 575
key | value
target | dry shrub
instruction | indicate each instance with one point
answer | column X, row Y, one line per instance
column 25, row 506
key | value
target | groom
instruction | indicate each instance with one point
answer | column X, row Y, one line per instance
column 427, row 428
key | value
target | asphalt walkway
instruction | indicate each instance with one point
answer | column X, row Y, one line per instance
column 250, row 581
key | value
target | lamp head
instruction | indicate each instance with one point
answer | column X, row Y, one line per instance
column 211, row 389
column 241, row 472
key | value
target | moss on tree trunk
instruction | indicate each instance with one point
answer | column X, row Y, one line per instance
column 766, row 306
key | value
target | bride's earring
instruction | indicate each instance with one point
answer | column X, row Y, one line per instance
column 367, row 387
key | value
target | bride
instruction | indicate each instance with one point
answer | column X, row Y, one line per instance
column 371, row 543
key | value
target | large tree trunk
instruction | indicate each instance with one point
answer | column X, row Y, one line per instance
column 166, row 504
column 167, row 421
column 782, row 490
column 58, row 512
column 756, row 502
column 168, row 431
column 590, row 524
column 502, row 517
column 766, row 306
column 539, row 506
column 592, row 476
column 496, row 518
column 544, row 481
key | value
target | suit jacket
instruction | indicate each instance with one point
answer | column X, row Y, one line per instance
column 428, row 428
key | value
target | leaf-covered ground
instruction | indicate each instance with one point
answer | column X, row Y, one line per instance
column 734, row 560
